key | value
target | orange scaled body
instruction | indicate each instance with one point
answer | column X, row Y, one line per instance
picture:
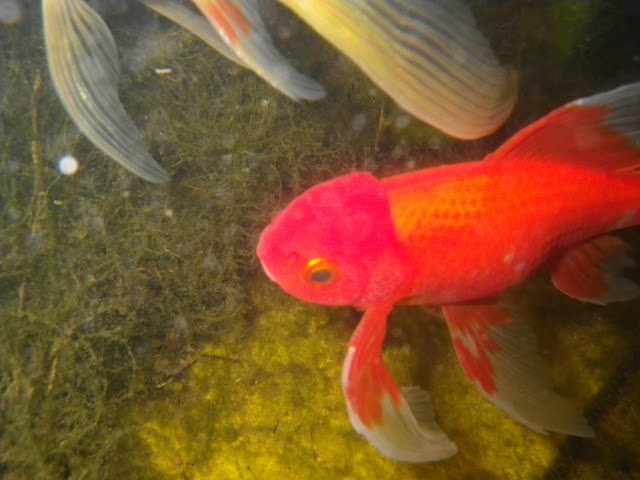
column 477, row 228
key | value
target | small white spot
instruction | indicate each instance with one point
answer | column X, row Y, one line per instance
column 163, row 71
column 402, row 121
column 508, row 258
column 624, row 221
column 10, row 11
column 212, row 264
column 68, row 165
column 265, row 102
column 358, row 122
column 12, row 166
column 180, row 323
column 469, row 342
column 396, row 332
column 435, row 143
column 97, row 223
column 168, row 212
column 13, row 213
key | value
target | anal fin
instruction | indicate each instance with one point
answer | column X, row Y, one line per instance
column 400, row 424
column 594, row 271
column 497, row 350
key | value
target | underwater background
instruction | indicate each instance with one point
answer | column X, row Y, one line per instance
column 139, row 337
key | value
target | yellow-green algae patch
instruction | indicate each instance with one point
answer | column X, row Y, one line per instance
column 269, row 404
column 265, row 404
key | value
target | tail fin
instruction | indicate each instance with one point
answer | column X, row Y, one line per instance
column 196, row 24
column 83, row 62
column 239, row 23
column 428, row 55
column 601, row 132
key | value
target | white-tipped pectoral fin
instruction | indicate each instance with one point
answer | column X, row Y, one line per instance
column 400, row 424
column 239, row 24
column 83, row 62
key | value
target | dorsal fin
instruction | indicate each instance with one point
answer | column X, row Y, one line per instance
column 601, row 131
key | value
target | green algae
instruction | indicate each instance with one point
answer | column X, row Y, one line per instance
column 110, row 285
column 139, row 338
column 269, row 404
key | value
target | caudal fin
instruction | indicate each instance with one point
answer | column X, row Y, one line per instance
column 601, row 132
column 239, row 24
column 196, row 24
column 428, row 55
column 83, row 62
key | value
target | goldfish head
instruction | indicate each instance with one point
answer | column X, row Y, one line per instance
column 336, row 245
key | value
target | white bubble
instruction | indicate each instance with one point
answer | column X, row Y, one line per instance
column 10, row 11
column 12, row 166
column 359, row 122
column 13, row 214
column 284, row 32
column 68, row 165
column 402, row 121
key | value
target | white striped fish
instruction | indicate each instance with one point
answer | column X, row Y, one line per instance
column 427, row 55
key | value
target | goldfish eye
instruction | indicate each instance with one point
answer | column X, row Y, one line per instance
column 319, row 272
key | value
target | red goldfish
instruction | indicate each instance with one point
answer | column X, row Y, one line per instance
column 458, row 236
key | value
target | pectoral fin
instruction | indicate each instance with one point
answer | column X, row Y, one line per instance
column 239, row 24
column 399, row 424
column 83, row 61
column 594, row 271
column 497, row 351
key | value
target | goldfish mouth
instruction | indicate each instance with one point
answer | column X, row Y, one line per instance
column 261, row 251
column 266, row 270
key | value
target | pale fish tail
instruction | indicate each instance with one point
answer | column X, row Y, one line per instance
column 428, row 55
column 195, row 23
column 83, row 62
column 240, row 25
